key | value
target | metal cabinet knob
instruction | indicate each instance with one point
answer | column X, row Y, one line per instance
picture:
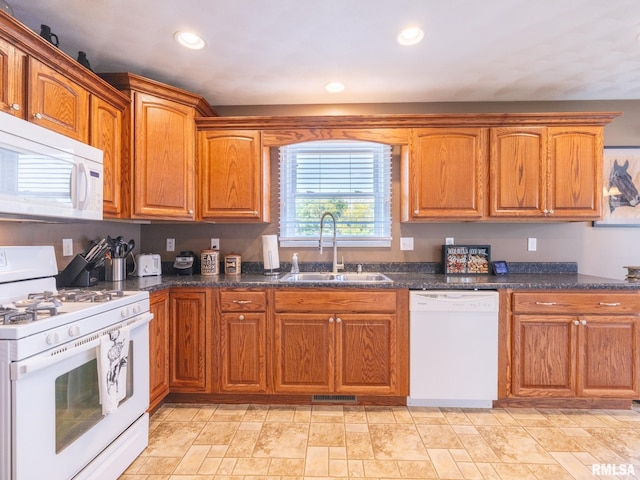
column 576, row 322
column 14, row 106
column 37, row 115
column 240, row 317
column 338, row 320
column 190, row 212
column 583, row 322
column 330, row 319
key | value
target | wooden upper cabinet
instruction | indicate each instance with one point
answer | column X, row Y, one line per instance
column 445, row 175
column 234, row 176
column 56, row 102
column 12, row 79
column 517, row 171
column 575, row 172
column 159, row 147
column 164, row 159
column 106, row 134
column 550, row 172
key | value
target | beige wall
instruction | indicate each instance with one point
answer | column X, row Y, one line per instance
column 598, row 251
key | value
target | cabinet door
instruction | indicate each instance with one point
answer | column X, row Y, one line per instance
column 544, row 355
column 12, row 79
column 106, row 134
column 446, row 176
column 242, row 352
column 158, row 348
column 232, row 176
column 56, row 102
column 609, row 363
column 164, row 159
column 366, row 360
column 304, row 353
column 517, row 171
column 189, row 339
column 575, row 172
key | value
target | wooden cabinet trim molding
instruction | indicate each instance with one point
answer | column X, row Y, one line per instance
column 407, row 121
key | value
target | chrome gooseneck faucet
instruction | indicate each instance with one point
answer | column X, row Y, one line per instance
column 336, row 265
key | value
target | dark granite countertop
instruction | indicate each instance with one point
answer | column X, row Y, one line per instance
column 409, row 280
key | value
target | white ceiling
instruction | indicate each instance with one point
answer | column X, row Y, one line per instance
column 270, row 52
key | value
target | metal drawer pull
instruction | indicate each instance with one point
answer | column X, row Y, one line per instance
column 607, row 304
column 546, row 303
column 243, row 302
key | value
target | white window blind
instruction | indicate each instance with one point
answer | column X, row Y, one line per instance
column 350, row 179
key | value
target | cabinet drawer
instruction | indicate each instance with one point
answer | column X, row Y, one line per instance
column 332, row 300
column 243, row 301
column 564, row 302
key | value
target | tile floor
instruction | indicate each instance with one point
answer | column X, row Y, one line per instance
column 199, row 442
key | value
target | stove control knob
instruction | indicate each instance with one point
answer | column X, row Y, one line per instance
column 124, row 313
column 136, row 309
column 74, row 330
column 53, row 338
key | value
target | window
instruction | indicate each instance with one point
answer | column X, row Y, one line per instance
column 350, row 179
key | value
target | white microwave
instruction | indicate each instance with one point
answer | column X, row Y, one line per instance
column 46, row 175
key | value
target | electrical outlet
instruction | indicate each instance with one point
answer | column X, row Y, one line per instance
column 532, row 244
column 67, row 247
column 406, row 243
column 215, row 244
column 171, row 244
column 448, row 240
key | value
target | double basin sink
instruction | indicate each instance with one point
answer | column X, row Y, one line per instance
column 323, row 277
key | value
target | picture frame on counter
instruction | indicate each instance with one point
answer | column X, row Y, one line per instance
column 621, row 188
column 466, row 259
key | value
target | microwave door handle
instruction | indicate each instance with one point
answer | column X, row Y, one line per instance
column 84, row 178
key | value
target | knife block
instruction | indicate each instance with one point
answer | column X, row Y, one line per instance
column 77, row 274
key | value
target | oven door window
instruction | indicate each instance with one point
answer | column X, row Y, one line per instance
column 78, row 406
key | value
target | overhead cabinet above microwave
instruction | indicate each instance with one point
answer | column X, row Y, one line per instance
column 46, row 175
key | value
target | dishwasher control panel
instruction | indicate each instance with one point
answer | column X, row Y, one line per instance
column 454, row 301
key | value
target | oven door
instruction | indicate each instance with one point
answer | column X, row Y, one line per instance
column 58, row 425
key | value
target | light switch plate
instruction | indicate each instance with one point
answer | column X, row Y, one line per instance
column 532, row 244
column 406, row 243
column 67, row 247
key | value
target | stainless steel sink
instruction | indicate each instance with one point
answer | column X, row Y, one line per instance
column 324, row 277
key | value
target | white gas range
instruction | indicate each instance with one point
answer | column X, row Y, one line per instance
column 64, row 357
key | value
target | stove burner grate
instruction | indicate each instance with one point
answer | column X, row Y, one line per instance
column 13, row 316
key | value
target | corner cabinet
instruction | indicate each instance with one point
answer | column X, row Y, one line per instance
column 159, row 148
column 340, row 341
column 546, row 172
column 233, row 176
column 576, row 345
column 445, row 176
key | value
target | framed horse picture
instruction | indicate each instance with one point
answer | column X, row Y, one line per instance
column 620, row 197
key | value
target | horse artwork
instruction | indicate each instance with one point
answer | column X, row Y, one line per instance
column 623, row 193
column 621, row 182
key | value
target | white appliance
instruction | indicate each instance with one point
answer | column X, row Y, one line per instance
column 46, row 175
column 51, row 419
column 453, row 348
column 148, row 264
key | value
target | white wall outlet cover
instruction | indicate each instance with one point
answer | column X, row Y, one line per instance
column 406, row 243
column 67, row 247
column 215, row 244
column 171, row 244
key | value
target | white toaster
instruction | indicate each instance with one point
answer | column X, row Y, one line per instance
column 148, row 264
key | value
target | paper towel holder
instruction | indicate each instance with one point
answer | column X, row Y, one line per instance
column 271, row 271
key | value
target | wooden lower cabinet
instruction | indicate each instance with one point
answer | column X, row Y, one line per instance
column 158, row 348
column 242, row 343
column 589, row 349
column 340, row 341
column 190, row 341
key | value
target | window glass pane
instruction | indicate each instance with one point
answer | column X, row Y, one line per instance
column 351, row 179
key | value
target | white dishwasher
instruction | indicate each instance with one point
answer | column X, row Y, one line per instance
column 453, row 348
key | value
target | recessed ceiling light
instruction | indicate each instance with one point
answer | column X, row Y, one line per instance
column 190, row 40
column 334, row 87
column 410, row 36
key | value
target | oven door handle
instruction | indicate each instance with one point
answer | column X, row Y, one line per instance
column 38, row 362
